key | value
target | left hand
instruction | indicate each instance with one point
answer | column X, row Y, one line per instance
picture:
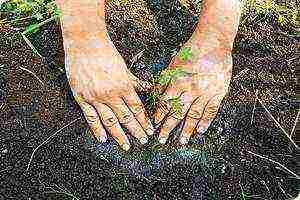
column 201, row 90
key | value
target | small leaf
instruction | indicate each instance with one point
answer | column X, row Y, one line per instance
column 164, row 80
column 171, row 75
column 31, row 29
column 176, row 105
column 185, row 53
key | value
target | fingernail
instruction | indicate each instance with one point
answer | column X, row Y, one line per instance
column 126, row 147
column 201, row 129
column 184, row 140
column 163, row 140
column 103, row 139
column 150, row 130
column 144, row 140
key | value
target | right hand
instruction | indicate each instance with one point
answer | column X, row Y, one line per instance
column 104, row 89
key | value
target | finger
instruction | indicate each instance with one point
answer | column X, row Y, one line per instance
column 193, row 116
column 173, row 118
column 209, row 112
column 110, row 121
column 128, row 120
column 136, row 107
column 161, row 112
column 202, row 126
column 94, row 122
column 170, row 123
column 188, row 130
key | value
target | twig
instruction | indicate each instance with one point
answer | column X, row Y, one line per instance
column 41, row 24
column 295, row 124
column 252, row 116
column 277, row 123
column 287, row 195
column 31, row 46
column 59, row 191
column 27, row 70
column 62, row 192
column 241, row 73
column 135, row 58
column 31, row 158
column 266, row 185
column 256, row 197
column 273, row 161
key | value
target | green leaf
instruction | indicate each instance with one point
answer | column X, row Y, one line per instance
column 31, row 29
column 171, row 75
column 56, row 12
column 176, row 105
column 243, row 196
column 281, row 19
column 164, row 80
column 185, row 53
column 151, row 100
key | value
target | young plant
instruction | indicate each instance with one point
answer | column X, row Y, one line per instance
column 161, row 83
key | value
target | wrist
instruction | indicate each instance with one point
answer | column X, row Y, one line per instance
column 207, row 39
column 82, row 16
column 83, row 8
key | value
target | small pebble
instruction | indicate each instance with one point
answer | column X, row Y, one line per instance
column 5, row 151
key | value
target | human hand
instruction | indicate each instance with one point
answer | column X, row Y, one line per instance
column 104, row 89
column 207, row 63
column 206, row 58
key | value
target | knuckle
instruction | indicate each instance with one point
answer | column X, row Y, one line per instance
column 126, row 118
column 92, row 118
column 212, row 107
column 195, row 111
column 109, row 121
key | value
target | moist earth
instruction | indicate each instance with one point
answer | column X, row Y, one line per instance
column 221, row 164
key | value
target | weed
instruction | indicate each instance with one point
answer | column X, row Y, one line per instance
column 286, row 14
column 176, row 105
column 29, row 14
column 243, row 196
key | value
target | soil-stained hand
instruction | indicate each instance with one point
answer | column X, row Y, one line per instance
column 200, row 92
column 207, row 59
column 103, row 87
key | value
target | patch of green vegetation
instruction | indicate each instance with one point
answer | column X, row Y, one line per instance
column 286, row 14
column 29, row 16
column 169, row 76
column 211, row 196
column 176, row 105
column 151, row 101
column 161, row 82
column 185, row 54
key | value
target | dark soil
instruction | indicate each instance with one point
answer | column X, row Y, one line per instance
column 217, row 165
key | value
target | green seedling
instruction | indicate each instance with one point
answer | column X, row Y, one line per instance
column 176, row 105
column 185, row 54
column 161, row 83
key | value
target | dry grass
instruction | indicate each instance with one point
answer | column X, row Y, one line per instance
column 277, row 163
column 47, row 140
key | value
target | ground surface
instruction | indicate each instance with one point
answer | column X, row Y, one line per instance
column 219, row 165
